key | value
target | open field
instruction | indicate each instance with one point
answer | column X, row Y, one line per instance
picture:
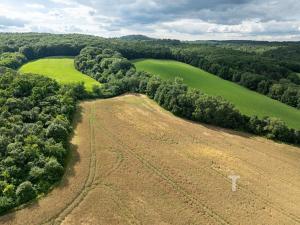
column 248, row 102
column 59, row 68
column 135, row 163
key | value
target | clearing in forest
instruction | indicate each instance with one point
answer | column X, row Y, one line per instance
column 61, row 69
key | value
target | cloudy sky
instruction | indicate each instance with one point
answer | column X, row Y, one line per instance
column 180, row 19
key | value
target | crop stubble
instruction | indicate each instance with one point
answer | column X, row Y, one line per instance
column 137, row 164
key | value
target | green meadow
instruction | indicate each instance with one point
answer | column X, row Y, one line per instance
column 59, row 68
column 248, row 102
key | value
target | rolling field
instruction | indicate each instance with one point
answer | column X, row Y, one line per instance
column 248, row 102
column 125, row 170
column 61, row 69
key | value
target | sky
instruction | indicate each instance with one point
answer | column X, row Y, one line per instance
column 272, row 20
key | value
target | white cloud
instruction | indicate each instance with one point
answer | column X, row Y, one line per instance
column 181, row 19
column 34, row 6
column 64, row 2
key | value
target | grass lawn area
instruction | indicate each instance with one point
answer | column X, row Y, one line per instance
column 248, row 102
column 59, row 68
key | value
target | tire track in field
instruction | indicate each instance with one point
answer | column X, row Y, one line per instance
column 259, row 170
column 164, row 119
column 91, row 176
column 257, row 196
column 91, row 181
column 289, row 215
column 116, row 165
column 90, row 185
column 58, row 218
column 168, row 179
column 125, row 210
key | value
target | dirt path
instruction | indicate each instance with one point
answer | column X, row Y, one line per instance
column 135, row 163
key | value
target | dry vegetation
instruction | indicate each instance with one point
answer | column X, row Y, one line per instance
column 135, row 163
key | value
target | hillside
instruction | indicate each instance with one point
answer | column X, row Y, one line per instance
column 124, row 169
column 248, row 102
column 136, row 37
column 36, row 114
column 59, row 68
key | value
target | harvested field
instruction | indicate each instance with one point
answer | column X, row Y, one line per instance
column 135, row 163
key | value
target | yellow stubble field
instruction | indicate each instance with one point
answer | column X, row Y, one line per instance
column 134, row 163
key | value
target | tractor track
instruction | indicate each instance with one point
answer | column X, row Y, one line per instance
column 58, row 218
column 123, row 152
column 190, row 199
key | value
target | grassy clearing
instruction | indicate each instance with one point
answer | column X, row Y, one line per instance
column 248, row 102
column 61, row 69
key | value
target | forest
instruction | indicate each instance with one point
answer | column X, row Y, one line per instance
column 267, row 73
column 36, row 112
column 35, row 118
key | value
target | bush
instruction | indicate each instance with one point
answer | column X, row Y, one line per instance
column 277, row 129
column 53, row 169
column 215, row 110
column 25, row 192
column 6, row 204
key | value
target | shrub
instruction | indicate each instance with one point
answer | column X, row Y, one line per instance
column 25, row 192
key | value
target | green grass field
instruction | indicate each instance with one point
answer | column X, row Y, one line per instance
column 248, row 102
column 59, row 68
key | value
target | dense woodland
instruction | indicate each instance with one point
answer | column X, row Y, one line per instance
column 36, row 112
column 35, row 117
column 270, row 69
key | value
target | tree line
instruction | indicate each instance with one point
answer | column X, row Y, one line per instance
column 261, row 73
column 119, row 76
